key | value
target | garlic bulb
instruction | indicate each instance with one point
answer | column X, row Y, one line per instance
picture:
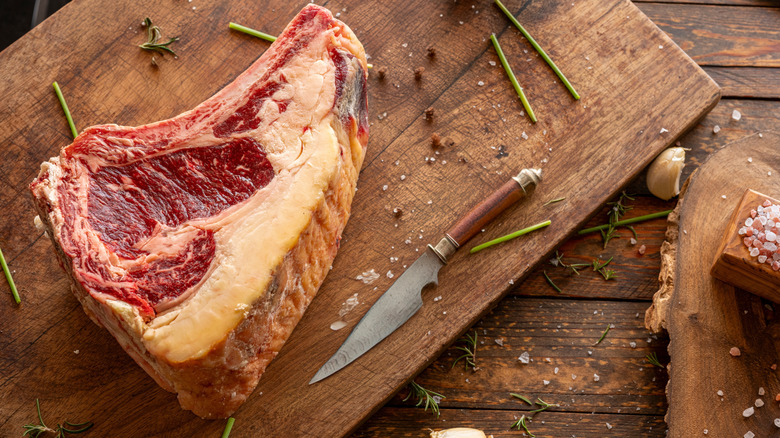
column 458, row 432
column 663, row 175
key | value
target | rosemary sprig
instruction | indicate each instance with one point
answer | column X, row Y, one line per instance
column 603, row 335
column 521, row 423
column 9, row 278
column 36, row 430
column 228, row 427
column 553, row 201
column 574, row 267
column 153, row 34
column 470, row 351
column 513, row 79
column 426, row 396
column 551, row 282
column 625, row 222
column 608, row 274
column 544, row 406
column 525, row 399
column 652, row 359
column 250, row 31
column 65, row 109
column 538, row 49
column 510, row 236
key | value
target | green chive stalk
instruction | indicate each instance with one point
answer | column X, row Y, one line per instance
column 624, row 222
column 253, row 32
column 510, row 236
column 512, row 78
column 65, row 109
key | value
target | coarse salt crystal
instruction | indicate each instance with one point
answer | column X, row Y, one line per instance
column 500, row 341
column 720, row 393
column 759, row 403
column 609, row 426
column 524, row 357
column 403, row 177
column 555, row 371
column 480, row 83
column 777, row 422
column 390, row 274
column 748, row 412
column 642, row 249
column 546, row 382
column 750, row 159
column 664, row 130
column 338, row 325
column 632, row 241
column 723, row 196
column 632, row 344
column 734, row 351
column 596, row 377
column 715, row 129
column 736, row 115
column 761, row 391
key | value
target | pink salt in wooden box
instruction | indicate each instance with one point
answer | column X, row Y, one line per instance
column 749, row 252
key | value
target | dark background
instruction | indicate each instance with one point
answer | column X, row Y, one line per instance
column 16, row 17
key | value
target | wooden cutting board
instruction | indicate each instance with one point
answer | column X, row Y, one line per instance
column 639, row 90
column 705, row 317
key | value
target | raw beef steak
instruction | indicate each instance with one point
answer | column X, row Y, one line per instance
column 199, row 241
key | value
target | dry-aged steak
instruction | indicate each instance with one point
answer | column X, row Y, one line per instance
column 199, row 241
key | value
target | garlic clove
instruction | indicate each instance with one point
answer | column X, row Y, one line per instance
column 458, row 432
column 663, row 175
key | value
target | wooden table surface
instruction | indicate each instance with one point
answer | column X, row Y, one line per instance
column 737, row 42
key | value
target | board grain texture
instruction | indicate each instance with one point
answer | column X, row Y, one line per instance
column 640, row 92
column 705, row 317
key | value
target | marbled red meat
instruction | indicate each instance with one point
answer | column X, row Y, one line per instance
column 200, row 240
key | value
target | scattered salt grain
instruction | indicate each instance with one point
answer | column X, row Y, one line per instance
column 555, row 371
column 642, row 249
column 715, row 129
column 609, row 426
column 348, row 305
column 777, row 422
column 632, row 344
column 338, row 325
column 547, row 382
column 734, row 351
column 368, row 277
column 761, row 391
column 748, row 412
column 525, row 357
column 736, row 115
column 632, row 241
column 596, row 377
column 574, row 377
column 759, row 403
column 723, row 196
column 390, row 274
column 524, row 135
column 500, row 341
column 749, row 434
column 750, row 159
column 706, row 431
column 664, row 130
column 480, row 83
column 720, row 393
column 403, row 177
column 437, row 299
column 75, row 351
column 493, row 63
column 384, row 188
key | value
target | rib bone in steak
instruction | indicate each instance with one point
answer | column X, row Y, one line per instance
column 199, row 241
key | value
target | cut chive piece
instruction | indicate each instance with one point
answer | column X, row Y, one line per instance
column 250, row 31
column 538, row 49
column 546, row 277
column 10, row 279
column 65, row 109
column 646, row 217
column 228, row 427
column 510, row 236
column 512, row 78
column 603, row 335
column 552, row 201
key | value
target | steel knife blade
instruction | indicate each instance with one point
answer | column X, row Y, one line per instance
column 404, row 298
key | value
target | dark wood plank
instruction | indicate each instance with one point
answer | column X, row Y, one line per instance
column 721, row 35
column 760, row 3
column 617, row 125
column 740, row 82
column 563, row 331
column 402, row 422
column 705, row 317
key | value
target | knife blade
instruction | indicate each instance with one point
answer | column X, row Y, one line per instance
column 404, row 298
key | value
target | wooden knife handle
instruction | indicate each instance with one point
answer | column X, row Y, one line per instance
column 479, row 216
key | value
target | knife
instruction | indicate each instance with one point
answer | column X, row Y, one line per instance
column 404, row 298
